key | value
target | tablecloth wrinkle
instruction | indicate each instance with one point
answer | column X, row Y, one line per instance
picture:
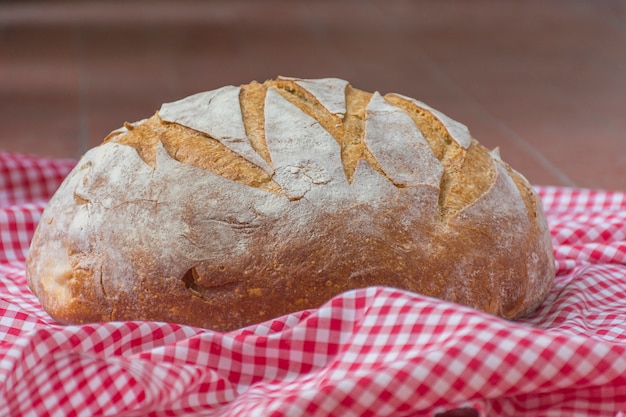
column 368, row 352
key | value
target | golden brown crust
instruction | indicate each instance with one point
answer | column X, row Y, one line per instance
column 192, row 148
column 281, row 201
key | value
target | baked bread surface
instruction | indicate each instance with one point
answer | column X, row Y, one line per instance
column 241, row 204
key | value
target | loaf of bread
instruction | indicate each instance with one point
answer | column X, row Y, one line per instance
column 241, row 204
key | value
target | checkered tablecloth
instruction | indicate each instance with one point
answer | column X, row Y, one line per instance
column 374, row 351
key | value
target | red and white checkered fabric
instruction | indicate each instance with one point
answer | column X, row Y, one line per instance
column 374, row 351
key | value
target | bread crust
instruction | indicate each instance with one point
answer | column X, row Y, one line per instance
column 242, row 204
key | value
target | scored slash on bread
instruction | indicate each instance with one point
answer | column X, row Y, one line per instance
column 236, row 205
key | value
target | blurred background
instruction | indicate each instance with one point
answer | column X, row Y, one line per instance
column 543, row 80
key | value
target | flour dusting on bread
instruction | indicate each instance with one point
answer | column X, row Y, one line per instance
column 244, row 203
